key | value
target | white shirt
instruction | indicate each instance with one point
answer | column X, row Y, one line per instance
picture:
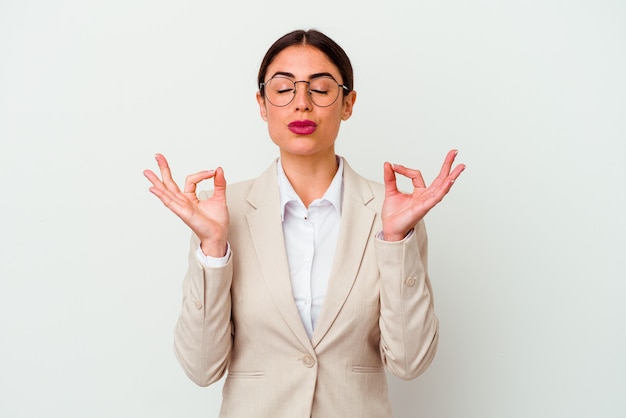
column 310, row 241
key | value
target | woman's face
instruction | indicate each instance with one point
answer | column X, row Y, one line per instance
column 301, row 128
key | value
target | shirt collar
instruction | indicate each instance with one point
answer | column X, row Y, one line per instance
column 333, row 193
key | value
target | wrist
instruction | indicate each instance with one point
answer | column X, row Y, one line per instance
column 214, row 248
column 391, row 237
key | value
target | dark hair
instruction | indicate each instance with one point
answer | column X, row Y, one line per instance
column 316, row 39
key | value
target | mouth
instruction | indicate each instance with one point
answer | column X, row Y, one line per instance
column 302, row 127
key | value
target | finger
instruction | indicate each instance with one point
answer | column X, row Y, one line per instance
column 219, row 184
column 457, row 172
column 447, row 172
column 447, row 163
column 391, row 186
column 415, row 175
column 169, row 199
column 158, row 184
column 442, row 188
column 418, row 180
column 158, row 188
column 152, row 178
column 444, row 178
column 166, row 173
column 166, row 196
column 192, row 180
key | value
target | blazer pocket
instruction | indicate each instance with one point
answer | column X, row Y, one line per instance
column 245, row 375
column 368, row 369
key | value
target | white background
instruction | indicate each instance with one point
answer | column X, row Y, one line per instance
column 526, row 253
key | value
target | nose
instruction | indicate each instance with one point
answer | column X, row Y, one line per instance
column 302, row 98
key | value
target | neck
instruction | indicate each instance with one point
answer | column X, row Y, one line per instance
column 309, row 176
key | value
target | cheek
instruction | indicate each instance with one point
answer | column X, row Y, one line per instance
column 273, row 120
column 272, row 113
column 334, row 120
column 274, row 127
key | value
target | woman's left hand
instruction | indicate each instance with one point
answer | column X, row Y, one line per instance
column 402, row 211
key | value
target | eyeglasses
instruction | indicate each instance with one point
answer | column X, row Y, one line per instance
column 323, row 91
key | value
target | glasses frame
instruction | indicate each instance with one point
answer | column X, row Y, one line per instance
column 295, row 90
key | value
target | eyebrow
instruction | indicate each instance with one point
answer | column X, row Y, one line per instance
column 312, row 76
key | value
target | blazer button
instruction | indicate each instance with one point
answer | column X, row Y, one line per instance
column 410, row 281
column 308, row 361
column 198, row 304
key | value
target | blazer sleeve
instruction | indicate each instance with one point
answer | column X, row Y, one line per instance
column 203, row 333
column 408, row 325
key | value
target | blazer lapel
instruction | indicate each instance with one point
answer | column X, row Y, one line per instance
column 356, row 225
column 267, row 237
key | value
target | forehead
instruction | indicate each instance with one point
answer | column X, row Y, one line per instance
column 302, row 61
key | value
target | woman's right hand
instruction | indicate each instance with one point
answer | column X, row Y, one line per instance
column 209, row 218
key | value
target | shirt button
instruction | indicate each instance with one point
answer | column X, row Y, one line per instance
column 410, row 281
column 198, row 304
column 308, row 361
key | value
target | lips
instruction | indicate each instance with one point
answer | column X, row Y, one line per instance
column 302, row 127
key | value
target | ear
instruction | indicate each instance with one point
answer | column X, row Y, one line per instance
column 348, row 105
column 261, row 101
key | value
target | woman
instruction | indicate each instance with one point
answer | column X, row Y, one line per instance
column 304, row 283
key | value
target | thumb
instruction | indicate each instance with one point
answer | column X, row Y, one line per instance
column 219, row 183
column 390, row 180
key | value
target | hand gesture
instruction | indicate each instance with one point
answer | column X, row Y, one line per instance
column 402, row 211
column 208, row 219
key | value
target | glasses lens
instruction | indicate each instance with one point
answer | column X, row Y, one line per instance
column 323, row 91
column 279, row 91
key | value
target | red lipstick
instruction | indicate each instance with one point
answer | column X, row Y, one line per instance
column 302, row 127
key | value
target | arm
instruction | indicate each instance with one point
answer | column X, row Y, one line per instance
column 202, row 340
column 408, row 325
column 203, row 333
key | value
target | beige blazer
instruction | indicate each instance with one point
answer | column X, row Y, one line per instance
column 242, row 319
